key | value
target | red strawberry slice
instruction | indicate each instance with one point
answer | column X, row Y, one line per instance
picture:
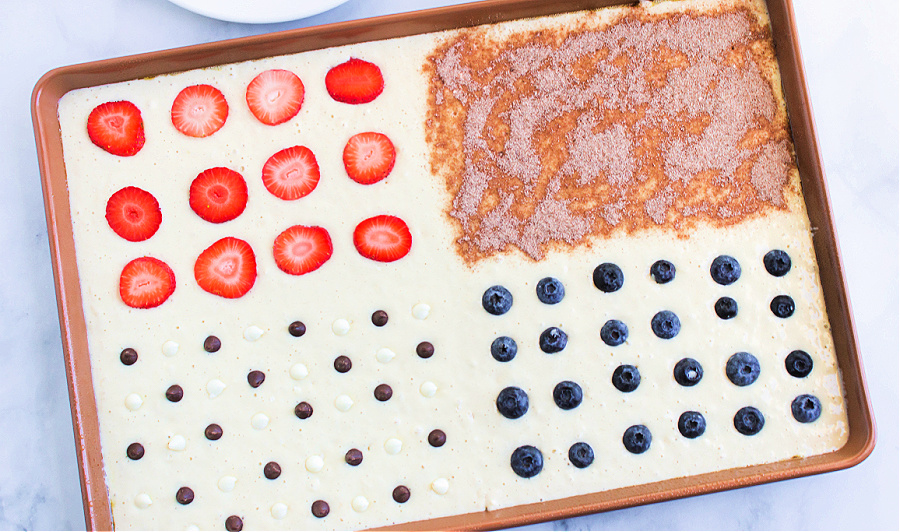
column 355, row 81
column 146, row 282
column 383, row 238
column 301, row 249
column 369, row 157
column 133, row 214
column 275, row 96
column 218, row 195
column 199, row 110
column 117, row 127
column 227, row 268
column 291, row 173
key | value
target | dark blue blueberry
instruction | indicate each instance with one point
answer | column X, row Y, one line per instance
column 691, row 424
column 688, row 372
column 665, row 324
column 777, row 262
column 581, row 455
column 742, row 369
column 637, row 439
column 608, row 277
column 567, row 395
column 749, row 421
column 504, row 349
column 527, row 461
column 725, row 270
column 798, row 364
column 614, row 333
column 626, row 378
column 497, row 300
column 553, row 340
column 550, row 290
column 662, row 271
column 726, row 308
column 806, row 408
column 512, row 402
column 782, row 306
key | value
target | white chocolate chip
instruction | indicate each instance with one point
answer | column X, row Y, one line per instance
column 340, row 327
column 214, row 388
column 393, row 446
column 193, row 528
column 279, row 510
column 384, row 355
column 421, row 311
column 259, row 421
column 227, row 483
column 299, row 371
column 428, row 389
column 133, row 401
column 343, row 403
column 360, row 503
column 440, row 485
column 170, row 348
column 314, row 463
column 253, row 333
column 143, row 501
column 177, row 443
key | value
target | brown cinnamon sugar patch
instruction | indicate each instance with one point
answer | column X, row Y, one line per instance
column 655, row 121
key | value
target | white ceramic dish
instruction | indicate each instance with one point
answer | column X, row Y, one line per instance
column 259, row 11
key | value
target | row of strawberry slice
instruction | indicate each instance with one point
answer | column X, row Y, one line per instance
column 274, row 97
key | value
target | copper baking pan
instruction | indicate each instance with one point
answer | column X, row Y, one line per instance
column 52, row 86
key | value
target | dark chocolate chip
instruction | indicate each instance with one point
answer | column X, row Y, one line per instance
column 184, row 495
column 354, row 457
column 234, row 524
column 342, row 364
column 437, row 437
column 135, row 451
column 425, row 350
column 175, row 393
column 256, row 378
column 379, row 318
column 401, row 494
column 297, row 329
column 383, row 392
column 128, row 356
column 212, row 344
column 213, row 432
column 272, row 470
column 303, row 410
column 320, row 509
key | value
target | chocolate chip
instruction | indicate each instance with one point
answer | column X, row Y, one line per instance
column 128, row 356
column 320, row 509
column 135, row 451
column 234, row 524
column 383, row 392
column 353, row 457
column 272, row 470
column 213, row 432
column 212, row 344
column 401, row 494
column 297, row 329
column 256, row 378
column 175, row 393
column 437, row 437
column 303, row 410
column 425, row 350
column 379, row 318
column 184, row 495
column 342, row 364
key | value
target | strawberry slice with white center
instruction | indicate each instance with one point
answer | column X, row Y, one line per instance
column 218, row 195
column 117, row 127
column 369, row 157
column 301, row 249
column 227, row 268
column 133, row 213
column 291, row 173
column 355, row 82
column 146, row 282
column 275, row 96
column 199, row 110
column 382, row 238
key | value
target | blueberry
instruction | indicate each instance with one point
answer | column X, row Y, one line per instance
column 567, row 395
column 550, row 290
column 688, row 372
column 665, row 324
column 725, row 270
column 749, row 421
column 504, row 349
column 512, row 402
column 662, row 271
column 691, row 424
column 777, row 262
column 497, row 300
column 527, row 461
column 637, row 439
column 581, row 455
column 614, row 333
column 742, row 369
column 726, row 308
column 626, row 378
column 608, row 277
column 806, row 408
column 553, row 340
column 782, row 306
column 798, row 364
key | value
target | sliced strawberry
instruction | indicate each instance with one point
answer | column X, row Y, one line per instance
column 117, row 127
column 383, row 238
column 227, row 268
column 218, row 195
column 369, row 157
column 146, row 282
column 133, row 213
column 301, row 249
column 291, row 173
column 199, row 110
column 275, row 96
column 355, row 81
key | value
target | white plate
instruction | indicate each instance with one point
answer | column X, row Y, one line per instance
column 258, row 11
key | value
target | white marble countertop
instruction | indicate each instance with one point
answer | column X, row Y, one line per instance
column 851, row 58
